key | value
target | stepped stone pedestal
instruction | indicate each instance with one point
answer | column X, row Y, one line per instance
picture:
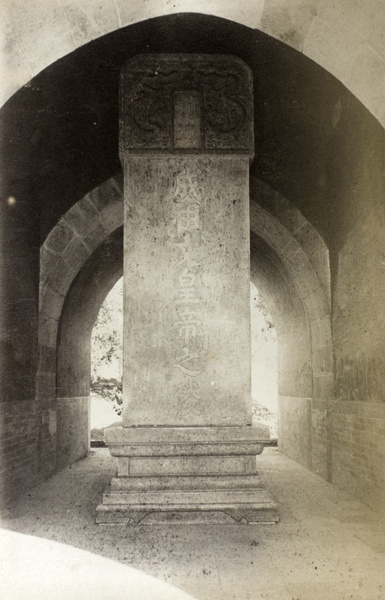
column 186, row 451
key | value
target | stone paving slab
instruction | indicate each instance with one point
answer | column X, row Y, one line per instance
column 326, row 545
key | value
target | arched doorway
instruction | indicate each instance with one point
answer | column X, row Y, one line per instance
column 317, row 145
column 106, row 398
column 294, row 286
column 319, row 33
column 264, row 363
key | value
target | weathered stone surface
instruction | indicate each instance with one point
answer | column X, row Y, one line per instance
column 187, row 335
column 186, row 140
column 186, row 102
column 182, row 435
column 192, row 465
column 184, row 483
column 189, row 497
column 45, row 386
column 72, row 429
column 262, row 512
column 59, row 237
column 172, row 449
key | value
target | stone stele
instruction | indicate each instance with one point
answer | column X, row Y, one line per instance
column 187, row 450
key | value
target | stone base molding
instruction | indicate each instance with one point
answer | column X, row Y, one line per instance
column 185, row 475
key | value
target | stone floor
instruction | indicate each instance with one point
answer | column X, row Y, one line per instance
column 326, row 545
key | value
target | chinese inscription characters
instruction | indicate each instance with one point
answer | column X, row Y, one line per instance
column 185, row 236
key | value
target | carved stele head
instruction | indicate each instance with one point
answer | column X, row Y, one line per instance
column 186, row 103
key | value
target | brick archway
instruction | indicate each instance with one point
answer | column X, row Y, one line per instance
column 345, row 41
column 70, row 249
column 290, row 266
column 76, row 275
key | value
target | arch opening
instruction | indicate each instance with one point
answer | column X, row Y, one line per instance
column 319, row 34
column 264, row 363
column 325, row 142
column 106, row 384
column 293, row 283
column 82, row 304
column 106, row 364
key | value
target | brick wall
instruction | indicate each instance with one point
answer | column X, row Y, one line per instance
column 18, row 448
column 358, row 430
column 358, row 413
column 294, row 433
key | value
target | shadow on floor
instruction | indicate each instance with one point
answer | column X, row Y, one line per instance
column 326, row 546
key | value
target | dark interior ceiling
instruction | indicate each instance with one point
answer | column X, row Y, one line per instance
column 59, row 133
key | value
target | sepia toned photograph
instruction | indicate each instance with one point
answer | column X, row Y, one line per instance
column 192, row 300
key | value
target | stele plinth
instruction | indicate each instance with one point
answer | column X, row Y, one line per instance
column 186, row 451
